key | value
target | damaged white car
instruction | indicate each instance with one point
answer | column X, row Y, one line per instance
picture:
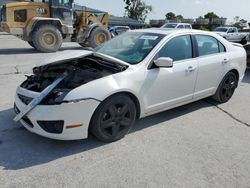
column 134, row 75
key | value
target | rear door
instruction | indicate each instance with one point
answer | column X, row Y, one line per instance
column 212, row 58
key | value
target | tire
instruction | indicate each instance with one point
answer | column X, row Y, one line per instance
column 47, row 38
column 31, row 44
column 98, row 36
column 226, row 88
column 243, row 41
column 114, row 118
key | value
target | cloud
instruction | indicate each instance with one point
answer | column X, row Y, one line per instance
column 201, row 2
column 198, row 2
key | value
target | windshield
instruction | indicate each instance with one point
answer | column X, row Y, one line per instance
column 221, row 29
column 169, row 25
column 131, row 47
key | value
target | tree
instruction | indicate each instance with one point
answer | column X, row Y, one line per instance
column 179, row 17
column 137, row 9
column 210, row 16
column 170, row 16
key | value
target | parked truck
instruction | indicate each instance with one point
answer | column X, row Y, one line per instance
column 232, row 34
column 47, row 24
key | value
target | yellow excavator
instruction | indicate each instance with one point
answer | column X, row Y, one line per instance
column 45, row 25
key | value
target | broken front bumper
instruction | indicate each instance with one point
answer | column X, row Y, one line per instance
column 75, row 117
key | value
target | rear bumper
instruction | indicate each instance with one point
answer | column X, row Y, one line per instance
column 79, row 113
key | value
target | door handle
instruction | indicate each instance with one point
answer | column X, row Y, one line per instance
column 226, row 60
column 190, row 69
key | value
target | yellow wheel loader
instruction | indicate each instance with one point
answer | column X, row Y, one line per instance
column 47, row 24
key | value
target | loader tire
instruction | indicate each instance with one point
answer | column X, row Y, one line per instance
column 98, row 36
column 47, row 38
column 31, row 44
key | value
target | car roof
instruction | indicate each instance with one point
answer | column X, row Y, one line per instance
column 178, row 23
column 165, row 31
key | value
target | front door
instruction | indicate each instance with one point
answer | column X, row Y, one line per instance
column 168, row 87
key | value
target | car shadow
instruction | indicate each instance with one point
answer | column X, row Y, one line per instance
column 21, row 149
column 14, row 51
column 246, row 78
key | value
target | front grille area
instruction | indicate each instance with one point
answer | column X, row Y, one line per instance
column 55, row 127
column 17, row 111
column 28, row 122
column 24, row 99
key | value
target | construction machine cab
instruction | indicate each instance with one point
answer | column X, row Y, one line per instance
column 62, row 9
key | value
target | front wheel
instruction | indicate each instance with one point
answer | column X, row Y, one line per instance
column 226, row 88
column 98, row 36
column 114, row 118
column 47, row 38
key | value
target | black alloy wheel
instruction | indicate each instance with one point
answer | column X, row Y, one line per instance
column 226, row 88
column 114, row 118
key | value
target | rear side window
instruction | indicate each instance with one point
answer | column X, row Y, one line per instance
column 187, row 27
column 180, row 26
column 178, row 48
column 208, row 45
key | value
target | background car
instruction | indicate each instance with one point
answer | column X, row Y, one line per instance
column 134, row 75
column 177, row 26
column 232, row 34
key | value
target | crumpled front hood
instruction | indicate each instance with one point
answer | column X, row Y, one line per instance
column 73, row 54
column 67, row 55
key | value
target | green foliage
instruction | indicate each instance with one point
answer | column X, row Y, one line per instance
column 179, row 17
column 204, row 28
column 170, row 16
column 210, row 16
column 137, row 9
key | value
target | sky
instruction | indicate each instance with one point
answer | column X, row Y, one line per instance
column 187, row 8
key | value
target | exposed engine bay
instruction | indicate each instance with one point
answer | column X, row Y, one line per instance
column 78, row 72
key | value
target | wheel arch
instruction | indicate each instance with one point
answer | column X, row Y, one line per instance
column 91, row 28
column 37, row 22
column 135, row 100
column 236, row 72
column 53, row 22
column 131, row 95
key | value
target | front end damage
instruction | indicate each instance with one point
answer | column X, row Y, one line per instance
column 40, row 104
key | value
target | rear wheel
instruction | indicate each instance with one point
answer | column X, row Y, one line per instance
column 244, row 41
column 226, row 88
column 114, row 118
column 98, row 36
column 47, row 38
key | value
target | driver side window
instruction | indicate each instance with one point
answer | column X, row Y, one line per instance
column 178, row 48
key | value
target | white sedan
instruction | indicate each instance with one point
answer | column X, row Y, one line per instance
column 134, row 75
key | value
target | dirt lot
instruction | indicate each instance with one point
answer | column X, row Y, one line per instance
column 197, row 145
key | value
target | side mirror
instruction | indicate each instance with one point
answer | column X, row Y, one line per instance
column 164, row 62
